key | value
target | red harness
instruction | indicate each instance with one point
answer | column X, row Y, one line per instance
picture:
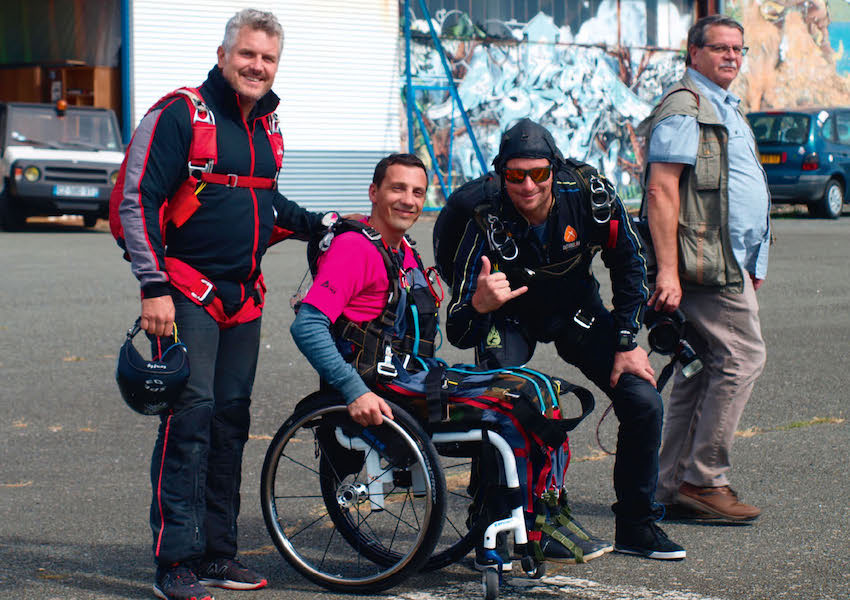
column 202, row 292
column 203, row 153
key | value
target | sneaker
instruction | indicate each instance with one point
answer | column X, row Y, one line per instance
column 722, row 502
column 485, row 558
column 646, row 539
column 577, row 549
column 230, row 574
column 178, row 582
column 590, row 545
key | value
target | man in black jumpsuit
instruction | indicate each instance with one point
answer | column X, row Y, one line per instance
column 522, row 275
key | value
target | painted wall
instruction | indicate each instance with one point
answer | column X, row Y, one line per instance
column 592, row 93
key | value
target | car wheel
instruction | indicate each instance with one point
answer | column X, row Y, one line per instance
column 832, row 201
column 89, row 220
column 11, row 217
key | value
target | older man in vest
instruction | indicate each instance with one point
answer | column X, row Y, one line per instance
column 708, row 209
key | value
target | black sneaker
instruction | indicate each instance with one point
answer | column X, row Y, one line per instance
column 486, row 558
column 646, row 539
column 178, row 582
column 230, row 574
column 574, row 549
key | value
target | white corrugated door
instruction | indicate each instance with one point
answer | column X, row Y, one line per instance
column 338, row 83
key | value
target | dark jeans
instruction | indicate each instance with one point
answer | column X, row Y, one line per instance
column 639, row 409
column 197, row 460
column 637, row 404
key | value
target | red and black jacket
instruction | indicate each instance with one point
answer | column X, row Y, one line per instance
column 226, row 237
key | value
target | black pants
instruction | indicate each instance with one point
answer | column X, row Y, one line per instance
column 637, row 404
column 197, row 460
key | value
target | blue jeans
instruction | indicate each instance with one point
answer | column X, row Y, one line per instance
column 197, row 460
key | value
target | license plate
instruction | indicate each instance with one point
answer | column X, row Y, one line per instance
column 76, row 191
column 770, row 159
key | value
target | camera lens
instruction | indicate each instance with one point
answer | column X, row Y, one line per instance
column 664, row 337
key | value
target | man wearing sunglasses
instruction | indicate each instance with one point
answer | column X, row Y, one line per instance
column 708, row 205
column 521, row 275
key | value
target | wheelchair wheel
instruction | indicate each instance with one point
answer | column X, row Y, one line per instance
column 352, row 509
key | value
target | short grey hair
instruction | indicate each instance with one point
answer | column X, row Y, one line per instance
column 697, row 32
column 255, row 19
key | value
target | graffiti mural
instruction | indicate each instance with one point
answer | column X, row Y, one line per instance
column 588, row 91
column 592, row 89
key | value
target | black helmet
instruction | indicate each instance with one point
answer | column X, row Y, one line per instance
column 151, row 386
column 527, row 139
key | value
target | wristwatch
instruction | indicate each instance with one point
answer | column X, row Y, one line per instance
column 626, row 340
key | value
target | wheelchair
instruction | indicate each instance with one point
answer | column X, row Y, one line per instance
column 360, row 509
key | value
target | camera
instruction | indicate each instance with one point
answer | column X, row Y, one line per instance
column 667, row 336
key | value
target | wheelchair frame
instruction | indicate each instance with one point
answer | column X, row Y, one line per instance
column 394, row 467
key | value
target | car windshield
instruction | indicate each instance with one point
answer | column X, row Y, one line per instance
column 76, row 129
column 780, row 128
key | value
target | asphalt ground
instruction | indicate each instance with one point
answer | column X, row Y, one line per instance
column 74, row 487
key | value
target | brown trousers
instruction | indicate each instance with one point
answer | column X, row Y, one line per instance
column 703, row 412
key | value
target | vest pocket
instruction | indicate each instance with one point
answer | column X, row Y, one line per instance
column 700, row 254
column 707, row 167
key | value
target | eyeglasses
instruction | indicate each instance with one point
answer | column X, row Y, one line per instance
column 723, row 49
column 537, row 174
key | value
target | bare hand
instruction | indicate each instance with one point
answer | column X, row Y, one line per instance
column 158, row 315
column 756, row 282
column 667, row 294
column 493, row 289
column 369, row 409
column 633, row 361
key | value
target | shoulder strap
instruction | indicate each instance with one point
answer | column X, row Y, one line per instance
column 602, row 195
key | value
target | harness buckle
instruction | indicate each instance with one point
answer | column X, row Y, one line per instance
column 386, row 366
column 206, row 168
column 600, row 200
column 232, row 180
column 205, row 297
column 582, row 320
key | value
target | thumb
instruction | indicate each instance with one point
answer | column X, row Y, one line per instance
column 385, row 408
column 485, row 266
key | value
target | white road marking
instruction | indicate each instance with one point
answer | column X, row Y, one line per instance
column 568, row 588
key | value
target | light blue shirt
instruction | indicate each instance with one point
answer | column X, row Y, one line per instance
column 676, row 139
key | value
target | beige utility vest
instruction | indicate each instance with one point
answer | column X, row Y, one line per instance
column 705, row 248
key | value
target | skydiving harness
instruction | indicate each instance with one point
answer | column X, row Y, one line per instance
column 203, row 154
column 602, row 197
column 404, row 335
column 506, row 251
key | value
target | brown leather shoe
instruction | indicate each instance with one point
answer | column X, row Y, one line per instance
column 720, row 501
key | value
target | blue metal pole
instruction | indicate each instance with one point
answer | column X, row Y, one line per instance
column 453, row 88
column 126, row 72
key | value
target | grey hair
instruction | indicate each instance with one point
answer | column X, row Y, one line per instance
column 255, row 19
column 697, row 32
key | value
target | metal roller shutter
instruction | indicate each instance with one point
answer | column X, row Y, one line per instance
column 338, row 82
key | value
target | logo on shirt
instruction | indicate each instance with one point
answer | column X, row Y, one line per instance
column 571, row 238
column 494, row 340
column 327, row 284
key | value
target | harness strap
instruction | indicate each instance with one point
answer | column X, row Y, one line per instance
column 241, row 181
column 541, row 525
column 200, row 290
column 613, row 231
column 435, row 396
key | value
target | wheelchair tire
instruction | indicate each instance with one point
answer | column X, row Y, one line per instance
column 327, row 510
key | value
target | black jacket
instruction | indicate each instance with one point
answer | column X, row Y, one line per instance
column 226, row 238
column 551, row 302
